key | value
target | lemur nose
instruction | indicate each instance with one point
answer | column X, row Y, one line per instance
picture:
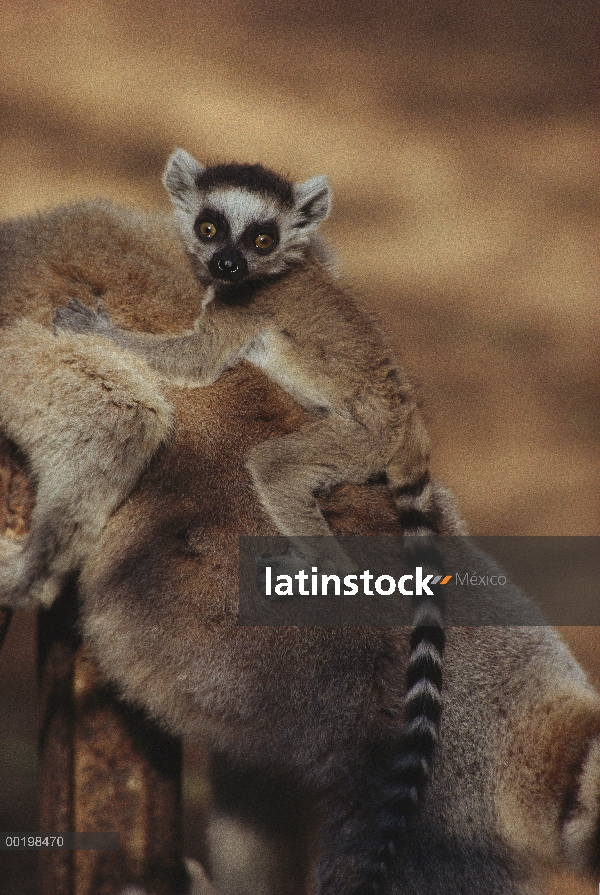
column 228, row 265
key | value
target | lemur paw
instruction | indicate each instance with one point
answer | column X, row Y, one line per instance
column 12, row 595
column 78, row 318
column 20, row 587
column 198, row 882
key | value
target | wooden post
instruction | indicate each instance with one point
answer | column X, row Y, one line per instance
column 104, row 767
column 16, row 502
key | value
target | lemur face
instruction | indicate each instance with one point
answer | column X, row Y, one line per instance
column 238, row 233
column 243, row 222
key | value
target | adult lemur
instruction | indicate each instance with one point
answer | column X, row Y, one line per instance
column 301, row 723
column 270, row 301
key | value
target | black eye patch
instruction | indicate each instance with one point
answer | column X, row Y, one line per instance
column 215, row 217
column 252, row 233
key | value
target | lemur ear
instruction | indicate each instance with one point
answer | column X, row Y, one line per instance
column 312, row 201
column 180, row 177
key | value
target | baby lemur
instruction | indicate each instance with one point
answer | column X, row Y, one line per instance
column 270, row 300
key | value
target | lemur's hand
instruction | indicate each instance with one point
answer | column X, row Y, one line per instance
column 78, row 318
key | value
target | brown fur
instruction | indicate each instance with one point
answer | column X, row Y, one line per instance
column 293, row 717
column 557, row 733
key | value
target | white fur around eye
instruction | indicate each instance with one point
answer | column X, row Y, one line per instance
column 241, row 208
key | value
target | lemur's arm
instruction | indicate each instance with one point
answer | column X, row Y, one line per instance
column 200, row 356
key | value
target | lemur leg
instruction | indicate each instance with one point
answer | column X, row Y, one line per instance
column 550, row 809
column 286, row 473
column 262, row 832
column 88, row 418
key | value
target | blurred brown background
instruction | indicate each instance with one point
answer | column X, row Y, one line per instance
column 461, row 140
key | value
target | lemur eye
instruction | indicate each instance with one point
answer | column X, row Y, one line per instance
column 263, row 241
column 207, row 229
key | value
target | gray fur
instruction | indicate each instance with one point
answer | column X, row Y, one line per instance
column 103, row 419
column 291, row 716
column 242, row 206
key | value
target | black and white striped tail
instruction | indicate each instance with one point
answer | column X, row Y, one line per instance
column 410, row 766
column 425, row 511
